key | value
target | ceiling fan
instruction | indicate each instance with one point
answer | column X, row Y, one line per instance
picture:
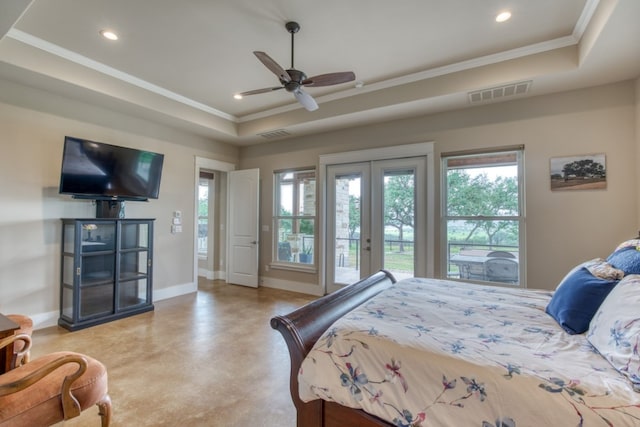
column 293, row 80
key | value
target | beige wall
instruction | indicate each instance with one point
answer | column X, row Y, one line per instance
column 562, row 228
column 638, row 146
column 31, row 208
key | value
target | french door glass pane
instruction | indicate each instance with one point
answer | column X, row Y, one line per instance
column 399, row 216
column 348, row 220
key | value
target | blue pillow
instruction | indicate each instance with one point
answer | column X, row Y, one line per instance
column 626, row 259
column 578, row 298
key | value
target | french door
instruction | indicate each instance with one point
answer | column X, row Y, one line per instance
column 376, row 218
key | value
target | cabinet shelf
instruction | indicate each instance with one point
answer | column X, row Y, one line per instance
column 106, row 270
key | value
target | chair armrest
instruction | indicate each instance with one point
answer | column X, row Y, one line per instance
column 19, row 356
column 18, row 337
column 70, row 405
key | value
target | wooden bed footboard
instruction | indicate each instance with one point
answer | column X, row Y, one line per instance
column 304, row 326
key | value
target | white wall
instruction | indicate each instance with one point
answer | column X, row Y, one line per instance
column 33, row 125
column 562, row 228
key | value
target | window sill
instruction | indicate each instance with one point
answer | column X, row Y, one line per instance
column 305, row 268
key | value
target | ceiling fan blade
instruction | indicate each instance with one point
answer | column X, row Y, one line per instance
column 273, row 66
column 329, row 79
column 257, row 91
column 305, row 99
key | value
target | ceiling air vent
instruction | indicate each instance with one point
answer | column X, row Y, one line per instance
column 497, row 93
column 279, row 133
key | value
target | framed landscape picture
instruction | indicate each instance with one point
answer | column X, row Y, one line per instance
column 586, row 172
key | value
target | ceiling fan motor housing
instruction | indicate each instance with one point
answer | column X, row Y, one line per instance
column 297, row 77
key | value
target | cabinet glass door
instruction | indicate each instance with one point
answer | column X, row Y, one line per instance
column 134, row 265
column 134, row 236
column 97, row 268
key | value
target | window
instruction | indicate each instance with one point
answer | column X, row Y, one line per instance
column 483, row 218
column 295, row 217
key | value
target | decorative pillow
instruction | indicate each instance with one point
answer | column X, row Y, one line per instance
column 603, row 270
column 615, row 328
column 574, row 269
column 577, row 299
column 632, row 242
column 626, row 259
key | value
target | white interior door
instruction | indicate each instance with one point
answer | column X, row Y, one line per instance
column 243, row 244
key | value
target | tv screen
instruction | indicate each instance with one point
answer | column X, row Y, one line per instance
column 95, row 170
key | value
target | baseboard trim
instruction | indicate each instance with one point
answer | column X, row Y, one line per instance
column 288, row 285
column 45, row 320
column 212, row 275
column 174, row 291
column 48, row 319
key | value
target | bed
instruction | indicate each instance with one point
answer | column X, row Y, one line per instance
column 430, row 352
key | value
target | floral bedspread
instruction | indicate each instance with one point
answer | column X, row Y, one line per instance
column 441, row 353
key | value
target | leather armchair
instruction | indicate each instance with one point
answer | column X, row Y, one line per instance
column 52, row 388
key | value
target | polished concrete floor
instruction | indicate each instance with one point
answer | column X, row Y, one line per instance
column 204, row 359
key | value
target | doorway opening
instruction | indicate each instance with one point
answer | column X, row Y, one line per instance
column 210, row 219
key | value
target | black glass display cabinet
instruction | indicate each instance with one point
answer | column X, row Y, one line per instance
column 106, row 271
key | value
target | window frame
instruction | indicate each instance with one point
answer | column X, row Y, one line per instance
column 300, row 174
column 520, row 218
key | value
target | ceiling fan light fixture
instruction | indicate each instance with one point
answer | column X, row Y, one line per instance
column 503, row 16
column 237, row 96
column 109, row 35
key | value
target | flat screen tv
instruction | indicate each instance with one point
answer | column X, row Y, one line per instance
column 95, row 170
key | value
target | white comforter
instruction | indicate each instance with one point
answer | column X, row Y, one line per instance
column 441, row 353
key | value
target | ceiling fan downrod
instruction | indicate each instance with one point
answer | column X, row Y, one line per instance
column 292, row 27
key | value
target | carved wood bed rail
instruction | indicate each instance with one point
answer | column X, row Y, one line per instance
column 304, row 326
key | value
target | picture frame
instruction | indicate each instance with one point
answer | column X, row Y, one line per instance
column 580, row 172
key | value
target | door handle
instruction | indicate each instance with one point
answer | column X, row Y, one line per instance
column 255, row 242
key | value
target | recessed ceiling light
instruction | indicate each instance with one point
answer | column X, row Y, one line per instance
column 503, row 16
column 108, row 34
column 237, row 96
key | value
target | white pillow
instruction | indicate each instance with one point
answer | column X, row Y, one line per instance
column 615, row 328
